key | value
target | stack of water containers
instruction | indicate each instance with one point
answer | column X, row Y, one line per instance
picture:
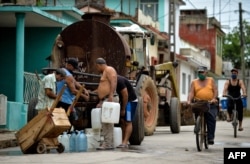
column 76, row 142
column 109, row 113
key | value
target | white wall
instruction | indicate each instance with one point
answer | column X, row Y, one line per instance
column 188, row 71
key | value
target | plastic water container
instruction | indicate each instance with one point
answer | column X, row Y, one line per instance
column 65, row 141
column 117, row 137
column 96, row 118
column 82, row 142
column 223, row 102
column 59, row 138
column 76, row 141
column 244, row 102
column 93, row 137
column 110, row 112
column 72, row 142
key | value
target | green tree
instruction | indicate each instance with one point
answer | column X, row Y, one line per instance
column 231, row 46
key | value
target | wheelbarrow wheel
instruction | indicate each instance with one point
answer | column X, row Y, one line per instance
column 60, row 148
column 41, row 148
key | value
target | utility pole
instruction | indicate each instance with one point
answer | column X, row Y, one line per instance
column 242, row 44
column 171, row 30
column 242, row 49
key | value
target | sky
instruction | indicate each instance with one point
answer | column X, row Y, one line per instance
column 225, row 11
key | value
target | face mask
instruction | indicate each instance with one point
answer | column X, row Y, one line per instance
column 234, row 76
column 201, row 77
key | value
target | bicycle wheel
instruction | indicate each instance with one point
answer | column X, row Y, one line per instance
column 205, row 134
column 199, row 134
column 235, row 122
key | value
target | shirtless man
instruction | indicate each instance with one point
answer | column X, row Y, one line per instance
column 105, row 91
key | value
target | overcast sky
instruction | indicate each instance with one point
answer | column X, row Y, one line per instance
column 225, row 11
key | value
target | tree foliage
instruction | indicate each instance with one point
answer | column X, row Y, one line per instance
column 231, row 46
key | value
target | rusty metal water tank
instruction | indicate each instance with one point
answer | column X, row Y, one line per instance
column 89, row 39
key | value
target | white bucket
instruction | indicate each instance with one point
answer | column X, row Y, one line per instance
column 94, row 137
column 96, row 118
column 110, row 112
column 117, row 138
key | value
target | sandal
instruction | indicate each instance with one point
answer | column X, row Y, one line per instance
column 105, row 147
column 122, row 146
column 240, row 129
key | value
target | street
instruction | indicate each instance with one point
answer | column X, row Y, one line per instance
column 162, row 147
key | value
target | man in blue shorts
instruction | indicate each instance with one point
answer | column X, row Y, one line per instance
column 128, row 103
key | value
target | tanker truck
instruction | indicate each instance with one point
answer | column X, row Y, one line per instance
column 155, row 86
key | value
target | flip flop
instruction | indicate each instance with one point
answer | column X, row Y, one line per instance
column 122, row 146
column 240, row 129
column 104, row 147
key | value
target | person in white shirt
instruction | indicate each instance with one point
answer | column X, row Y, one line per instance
column 47, row 90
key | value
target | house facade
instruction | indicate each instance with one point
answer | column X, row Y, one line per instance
column 205, row 33
column 28, row 31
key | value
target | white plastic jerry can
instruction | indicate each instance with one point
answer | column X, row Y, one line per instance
column 110, row 112
column 96, row 118
column 117, row 137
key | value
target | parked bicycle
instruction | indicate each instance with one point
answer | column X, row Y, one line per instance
column 234, row 113
column 199, row 109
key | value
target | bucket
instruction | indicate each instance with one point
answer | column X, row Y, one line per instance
column 110, row 112
column 96, row 118
column 117, row 137
column 244, row 102
column 223, row 102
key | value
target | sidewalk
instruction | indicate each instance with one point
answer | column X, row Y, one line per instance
column 7, row 139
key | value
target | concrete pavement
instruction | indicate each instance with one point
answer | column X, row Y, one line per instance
column 163, row 147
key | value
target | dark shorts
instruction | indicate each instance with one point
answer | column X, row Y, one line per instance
column 130, row 110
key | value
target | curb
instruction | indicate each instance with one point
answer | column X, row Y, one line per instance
column 7, row 139
column 8, row 143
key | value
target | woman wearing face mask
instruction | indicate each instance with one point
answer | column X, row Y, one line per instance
column 204, row 88
column 233, row 87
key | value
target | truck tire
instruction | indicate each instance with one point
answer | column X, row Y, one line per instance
column 31, row 109
column 175, row 117
column 147, row 88
column 137, row 134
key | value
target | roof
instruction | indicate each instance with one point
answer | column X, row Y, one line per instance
column 40, row 16
column 160, row 35
column 128, row 26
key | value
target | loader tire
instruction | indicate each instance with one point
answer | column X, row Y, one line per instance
column 175, row 116
column 137, row 134
column 31, row 109
column 146, row 89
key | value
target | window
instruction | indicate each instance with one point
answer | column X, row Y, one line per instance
column 189, row 82
column 150, row 7
column 219, row 45
column 183, row 91
column 161, row 58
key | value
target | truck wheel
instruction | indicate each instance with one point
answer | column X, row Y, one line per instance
column 175, row 118
column 137, row 134
column 31, row 109
column 146, row 89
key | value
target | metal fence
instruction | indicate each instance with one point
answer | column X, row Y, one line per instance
column 31, row 87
